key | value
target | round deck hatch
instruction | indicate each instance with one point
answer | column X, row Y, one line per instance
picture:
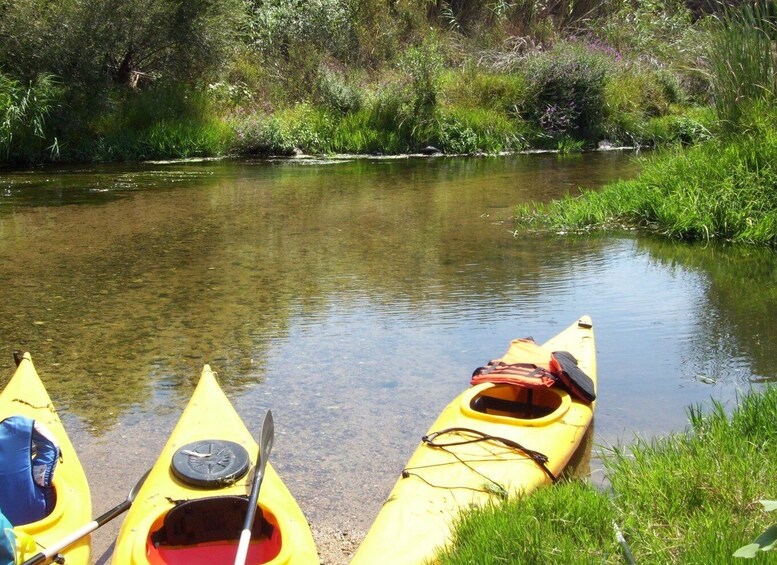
column 210, row 463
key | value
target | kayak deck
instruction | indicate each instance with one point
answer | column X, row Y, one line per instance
column 25, row 395
column 492, row 441
column 204, row 533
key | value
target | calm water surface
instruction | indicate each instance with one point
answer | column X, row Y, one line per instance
column 354, row 298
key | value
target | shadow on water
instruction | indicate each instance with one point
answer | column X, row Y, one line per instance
column 741, row 304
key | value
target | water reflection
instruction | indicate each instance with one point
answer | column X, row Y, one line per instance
column 158, row 269
column 354, row 299
column 735, row 327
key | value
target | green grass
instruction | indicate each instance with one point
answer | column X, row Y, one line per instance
column 569, row 523
column 743, row 63
column 162, row 140
column 24, row 113
column 685, row 498
column 723, row 189
column 693, row 498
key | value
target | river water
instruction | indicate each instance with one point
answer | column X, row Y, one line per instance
column 353, row 298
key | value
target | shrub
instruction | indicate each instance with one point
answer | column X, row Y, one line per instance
column 336, row 93
column 364, row 132
column 566, row 91
column 181, row 140
column 636, row 95
column 128, row 42
column 24, row 133
column 423, row 67
column 325, row 25
column 670, row 130
column 301, row 127
column 476, row 130
column 652, row 28
column 474, row 88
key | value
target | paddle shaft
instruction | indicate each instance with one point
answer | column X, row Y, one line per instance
column 627, row 555
column 261, row 460
column 245, row 535
column 87, row 529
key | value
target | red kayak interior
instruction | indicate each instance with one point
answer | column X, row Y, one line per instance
column 207, row 530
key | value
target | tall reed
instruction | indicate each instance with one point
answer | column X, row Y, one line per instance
column 23, row 113
column 743, row 61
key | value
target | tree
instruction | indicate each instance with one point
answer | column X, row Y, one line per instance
column 121, row 41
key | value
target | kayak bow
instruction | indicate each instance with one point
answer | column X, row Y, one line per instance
column 191, row 508
column 494, row 440
column 25, row 395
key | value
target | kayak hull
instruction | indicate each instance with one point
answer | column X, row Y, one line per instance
column 209, row 416
column 453, row 473
column 25, row 395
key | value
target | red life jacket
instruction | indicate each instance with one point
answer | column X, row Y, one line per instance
column 529, row 365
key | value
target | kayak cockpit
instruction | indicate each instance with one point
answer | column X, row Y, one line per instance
column 533, row 407
column 207, row 530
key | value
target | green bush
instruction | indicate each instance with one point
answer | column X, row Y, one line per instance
column 301, row 128
column 423, row 68
column 477, row 130
column 655, row 28
column 641, row 101
column 163, row 121
column 93, row 43
column 366, row 132
column 24, row 111
column 646, row 92
column 566, row 93
column 671, row 130
column 336, row 93
column 476, row 88
column 325, row 25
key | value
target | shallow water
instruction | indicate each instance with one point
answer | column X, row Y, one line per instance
column 354, row 298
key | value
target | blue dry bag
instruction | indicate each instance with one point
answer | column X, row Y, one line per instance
column 28, row 456
column 7, row 541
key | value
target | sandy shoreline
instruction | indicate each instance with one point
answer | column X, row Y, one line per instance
column 336, row 547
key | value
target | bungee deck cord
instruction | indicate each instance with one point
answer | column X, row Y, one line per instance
column 432, row 440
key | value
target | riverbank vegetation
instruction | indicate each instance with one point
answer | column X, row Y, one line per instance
column 724, row 187
column 90, row 80
column 694, row 497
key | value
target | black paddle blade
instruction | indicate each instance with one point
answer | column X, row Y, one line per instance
column 268, row 432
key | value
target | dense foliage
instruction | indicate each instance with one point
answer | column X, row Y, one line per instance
column 273, row 76
column 723, row 188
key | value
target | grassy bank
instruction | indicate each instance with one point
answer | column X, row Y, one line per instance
column 724, row 188
column 687, row 498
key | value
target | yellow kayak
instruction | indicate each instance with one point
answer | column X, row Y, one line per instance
column 494, row 440
column 191, row 506
column 25, row 395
